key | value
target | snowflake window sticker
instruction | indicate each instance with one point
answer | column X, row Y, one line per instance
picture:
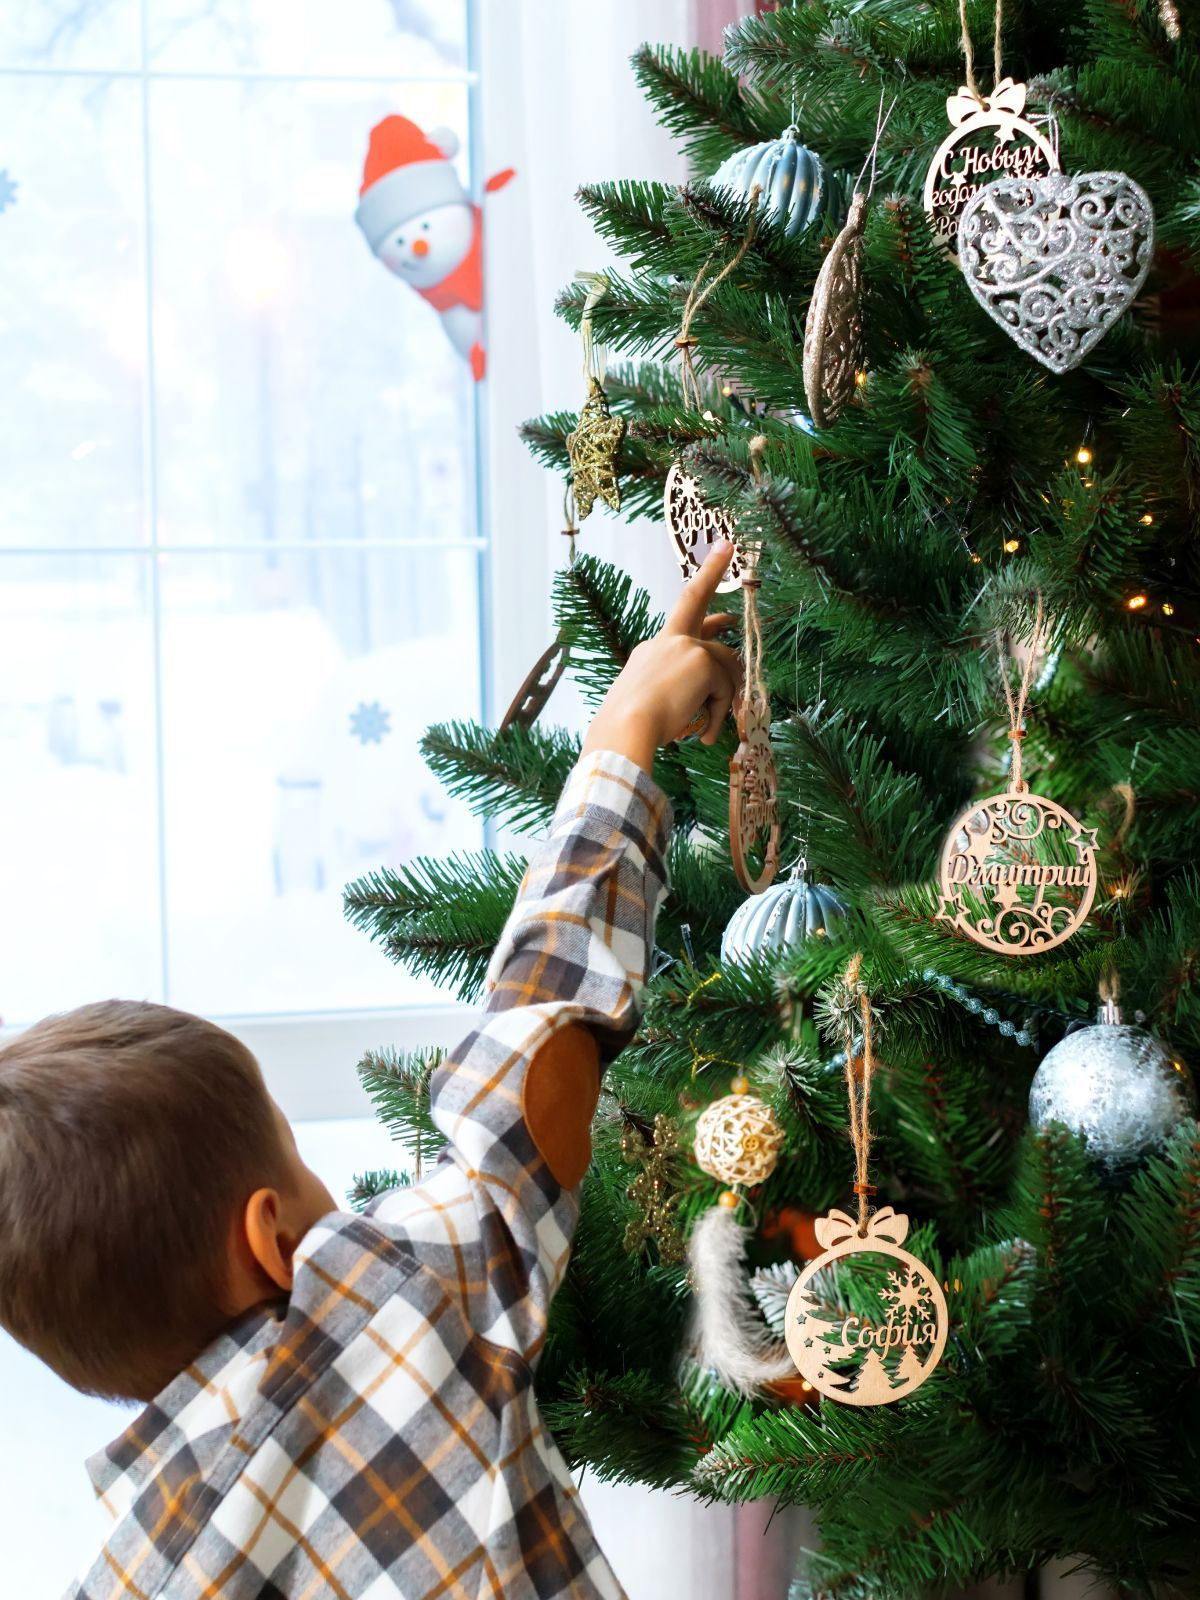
column 369, row 722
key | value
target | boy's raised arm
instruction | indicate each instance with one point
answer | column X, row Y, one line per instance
column 515, row 1098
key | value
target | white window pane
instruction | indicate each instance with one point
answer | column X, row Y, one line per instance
column 303, row 391
column 87, row 35
column 79, row 871
column 344, row 1147
column 396, row 37
column 51, row 1523
column 72, row 312
column 296, row 688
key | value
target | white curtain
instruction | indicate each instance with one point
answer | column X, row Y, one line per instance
column 561, row 105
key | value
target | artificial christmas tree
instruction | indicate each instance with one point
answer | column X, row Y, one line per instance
column 963, row 486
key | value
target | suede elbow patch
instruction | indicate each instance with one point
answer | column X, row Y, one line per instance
column 562, row 1086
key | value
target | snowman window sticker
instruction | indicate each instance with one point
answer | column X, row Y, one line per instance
column 422, row 224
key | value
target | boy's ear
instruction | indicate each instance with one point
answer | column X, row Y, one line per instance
column 270, row 1244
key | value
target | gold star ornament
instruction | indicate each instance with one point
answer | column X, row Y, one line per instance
column 592, row 450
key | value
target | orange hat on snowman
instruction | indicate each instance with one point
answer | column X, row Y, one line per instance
column 406, row 173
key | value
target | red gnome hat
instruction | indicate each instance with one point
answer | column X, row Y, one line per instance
column 406, row 173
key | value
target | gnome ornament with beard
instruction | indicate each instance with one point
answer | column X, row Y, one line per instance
column 424, row 226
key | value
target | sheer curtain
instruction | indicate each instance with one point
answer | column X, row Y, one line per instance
column 571, row 112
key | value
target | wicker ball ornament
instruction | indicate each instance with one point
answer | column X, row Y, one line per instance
column 737, row 1138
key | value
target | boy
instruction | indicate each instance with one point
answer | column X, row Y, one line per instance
column 344, row 1404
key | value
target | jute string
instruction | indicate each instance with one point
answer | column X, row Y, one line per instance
column 858, row 1085
column 698, row 294
column 969, row 50
column 1124, row 793
column 754, row 687
column 1017, row 702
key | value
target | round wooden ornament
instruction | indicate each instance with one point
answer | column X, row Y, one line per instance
column 989, row 139
column 833, row 332
column 695, row 527
column 856, row 1356
column 1018, row 873
column 754, row 797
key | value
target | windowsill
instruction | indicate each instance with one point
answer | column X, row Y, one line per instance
column 308, row 1059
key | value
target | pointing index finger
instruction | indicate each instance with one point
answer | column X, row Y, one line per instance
column 687, row 613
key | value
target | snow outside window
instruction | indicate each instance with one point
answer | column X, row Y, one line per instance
column 240, row 547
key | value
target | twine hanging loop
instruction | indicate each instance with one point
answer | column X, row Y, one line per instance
column 859, row 1071
column 698, row 294
column 1018, row 702
column 968, row 49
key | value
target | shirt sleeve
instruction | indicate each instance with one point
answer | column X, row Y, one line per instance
column 562, row 993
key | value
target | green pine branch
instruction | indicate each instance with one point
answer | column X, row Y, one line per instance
column 516, row 775
column 397, row 1082
column 440, row 918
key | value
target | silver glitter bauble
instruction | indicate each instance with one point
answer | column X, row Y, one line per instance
column 1117, row 1087
column 795, row 183
column 773, row 922
column 1056, row 260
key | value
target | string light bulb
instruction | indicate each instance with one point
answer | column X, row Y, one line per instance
column 1012, row 546
column 1136, row 602
column 860, row 377
column 1168, row 609
column 1146, row 520
column 1083, row 455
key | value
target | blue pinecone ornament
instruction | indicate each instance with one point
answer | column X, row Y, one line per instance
column 796, row 184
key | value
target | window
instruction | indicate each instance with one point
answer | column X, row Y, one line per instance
column 240, row 546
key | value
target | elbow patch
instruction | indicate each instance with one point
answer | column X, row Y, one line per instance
column 562, row 1086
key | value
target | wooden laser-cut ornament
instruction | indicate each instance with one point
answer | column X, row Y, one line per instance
column 1018, row 873
column 989, row 139
column 695, row 527
column 539, row 684
column 866, row 1357
column 754, row 797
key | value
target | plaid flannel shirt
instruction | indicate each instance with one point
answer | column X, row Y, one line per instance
column 377, row 1436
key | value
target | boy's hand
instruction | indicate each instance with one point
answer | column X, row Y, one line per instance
column 671, row 677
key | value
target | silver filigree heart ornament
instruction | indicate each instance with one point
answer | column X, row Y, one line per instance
column 1056, row 260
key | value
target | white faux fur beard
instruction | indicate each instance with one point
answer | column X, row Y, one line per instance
column 727, row 1333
